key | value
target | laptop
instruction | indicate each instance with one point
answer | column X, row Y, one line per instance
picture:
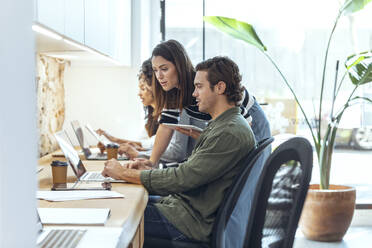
column 77, row 165
column 76, row 237
column 57, row 237
column 88, row 153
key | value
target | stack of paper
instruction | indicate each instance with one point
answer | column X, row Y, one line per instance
column 73, row 195
column 74, row 216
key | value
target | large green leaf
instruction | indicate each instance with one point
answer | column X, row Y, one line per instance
column 368, row 100
column 352, row 6
column 360, row 68
column 237, row 29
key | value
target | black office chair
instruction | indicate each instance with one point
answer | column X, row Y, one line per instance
column 280, row 198
column 229, row 208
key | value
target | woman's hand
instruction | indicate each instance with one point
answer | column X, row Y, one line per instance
column 130, row 151
column 135, row 144
column 100, row 132
column 189, row 132
column 101, row 147
column 139, row 164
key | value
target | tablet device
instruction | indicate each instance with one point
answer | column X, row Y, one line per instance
column 188, row 127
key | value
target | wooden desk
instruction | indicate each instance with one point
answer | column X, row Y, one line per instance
column 125, row 212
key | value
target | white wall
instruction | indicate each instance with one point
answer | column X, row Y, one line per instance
column 104, row 97
column 18, row 146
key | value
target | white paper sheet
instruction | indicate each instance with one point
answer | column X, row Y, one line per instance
column 73, row 195
column 74, row 216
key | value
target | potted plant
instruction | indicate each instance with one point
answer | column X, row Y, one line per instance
column 324, row 200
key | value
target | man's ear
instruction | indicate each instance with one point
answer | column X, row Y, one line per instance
column 220, row 87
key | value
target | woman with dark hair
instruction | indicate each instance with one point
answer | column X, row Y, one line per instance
column 173, row 86
column 142, row 148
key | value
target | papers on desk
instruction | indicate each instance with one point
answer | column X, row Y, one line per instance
column 74, row 216
column 77, row 195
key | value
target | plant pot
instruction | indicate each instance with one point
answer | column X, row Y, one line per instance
column 327, row 214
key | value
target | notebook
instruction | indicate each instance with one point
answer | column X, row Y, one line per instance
column 76, row 237
column 88, row 153
column 77, row 165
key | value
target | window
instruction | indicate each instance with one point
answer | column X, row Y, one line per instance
column 184, row 23
column 296, row 35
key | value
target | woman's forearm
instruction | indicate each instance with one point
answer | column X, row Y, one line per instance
column 118, row 140
column 163, row 136
column 112, row 138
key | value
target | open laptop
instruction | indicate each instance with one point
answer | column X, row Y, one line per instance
column 57, row 237
column 88, row 153
column 76, row 237
column 77, row 165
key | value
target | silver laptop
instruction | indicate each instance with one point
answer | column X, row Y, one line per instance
column 57, row 237
column 76, row 237
column 88, row 153
column 77, row 165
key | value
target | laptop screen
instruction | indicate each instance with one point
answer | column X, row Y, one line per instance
column 79, row 133
column 71, row 154
column 101, row 139
column 39, row 226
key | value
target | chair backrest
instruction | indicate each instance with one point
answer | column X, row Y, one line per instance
column 280, row 195
column 232, row 216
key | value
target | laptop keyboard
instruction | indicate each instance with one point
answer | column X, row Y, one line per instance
column 99, row 155
column 95, row 176
column 66, row 238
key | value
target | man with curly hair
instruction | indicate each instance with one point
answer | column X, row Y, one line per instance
column 193, row 192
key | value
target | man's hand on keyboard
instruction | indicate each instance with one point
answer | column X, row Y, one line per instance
column 115, row 170
column 112, row 169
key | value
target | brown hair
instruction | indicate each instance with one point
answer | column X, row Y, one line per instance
column 223, row 69
column 152, row 124
column 180, row 97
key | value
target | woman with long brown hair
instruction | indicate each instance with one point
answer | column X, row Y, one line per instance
column 176, row 151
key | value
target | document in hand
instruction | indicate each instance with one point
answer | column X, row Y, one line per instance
column 187, row 127
column 74, row 216
column 76, row 195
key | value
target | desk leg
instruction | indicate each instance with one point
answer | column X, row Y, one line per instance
column 137, row 241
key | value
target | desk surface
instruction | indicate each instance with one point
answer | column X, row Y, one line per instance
column 125, row 212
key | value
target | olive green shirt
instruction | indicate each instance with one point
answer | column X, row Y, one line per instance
column 196, row 188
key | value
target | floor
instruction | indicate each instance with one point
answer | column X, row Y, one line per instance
column 356, row 237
